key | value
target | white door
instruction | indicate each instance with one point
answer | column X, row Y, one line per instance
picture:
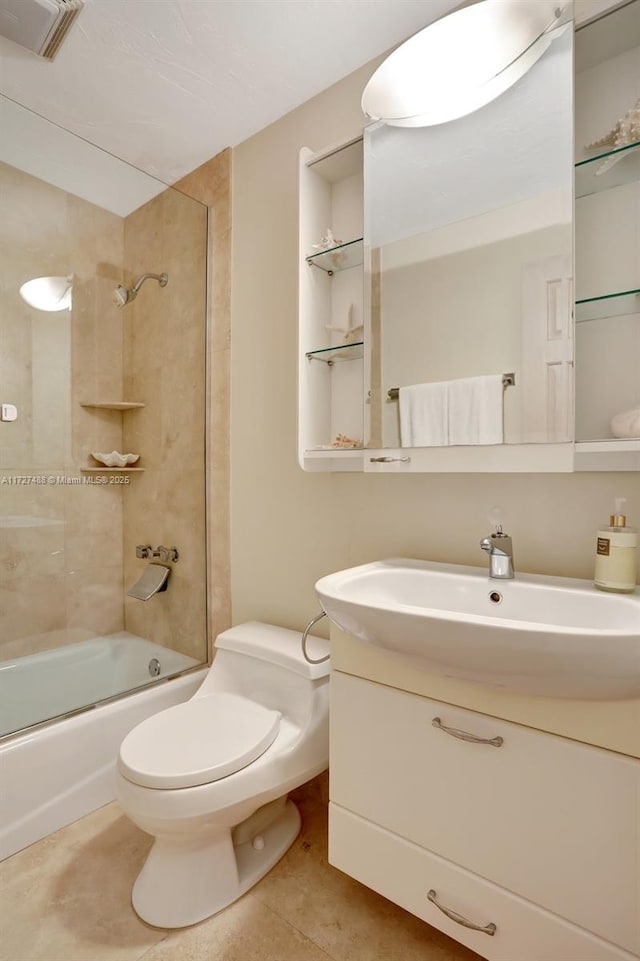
column 547, row 351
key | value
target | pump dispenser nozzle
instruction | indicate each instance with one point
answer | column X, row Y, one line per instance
column 618, row 518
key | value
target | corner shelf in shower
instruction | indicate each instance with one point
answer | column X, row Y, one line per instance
column 112, row 405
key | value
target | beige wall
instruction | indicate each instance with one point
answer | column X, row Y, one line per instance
column 289, row 527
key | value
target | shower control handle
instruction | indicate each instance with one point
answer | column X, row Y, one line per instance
column 166, row 554
column 145, row 552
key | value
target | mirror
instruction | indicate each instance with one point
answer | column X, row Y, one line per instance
column 468, row 246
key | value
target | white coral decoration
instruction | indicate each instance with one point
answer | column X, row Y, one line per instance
column 327, row 242
column 626, row 131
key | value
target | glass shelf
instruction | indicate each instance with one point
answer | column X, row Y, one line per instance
column 338, row 258
column 593, row 175
column 607, row 305
column 332, row 355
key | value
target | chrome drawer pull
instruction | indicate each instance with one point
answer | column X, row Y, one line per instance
column 390, row 460
column 464, row 736
column 489, row 929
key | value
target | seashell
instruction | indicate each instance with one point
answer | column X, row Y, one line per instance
column 626, row 423
column 115, row 459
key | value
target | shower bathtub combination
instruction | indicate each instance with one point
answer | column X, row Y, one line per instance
column 37, row 796
column 103, row 310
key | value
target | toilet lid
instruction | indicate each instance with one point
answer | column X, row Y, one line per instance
column 202, row 740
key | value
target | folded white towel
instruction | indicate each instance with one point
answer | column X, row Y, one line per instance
column 627, row 423
column 424, row 415
column 476, row 410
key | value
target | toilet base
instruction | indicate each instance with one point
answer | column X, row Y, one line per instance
column 186, row 880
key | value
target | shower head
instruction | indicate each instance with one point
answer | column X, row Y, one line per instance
column 124, row 295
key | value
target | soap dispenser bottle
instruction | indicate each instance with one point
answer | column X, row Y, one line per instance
column 616, row 548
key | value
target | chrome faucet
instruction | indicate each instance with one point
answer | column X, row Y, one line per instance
column 500, row 550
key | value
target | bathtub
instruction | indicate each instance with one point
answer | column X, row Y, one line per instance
column 54, row 774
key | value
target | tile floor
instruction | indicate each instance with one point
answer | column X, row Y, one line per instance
column 66, row 898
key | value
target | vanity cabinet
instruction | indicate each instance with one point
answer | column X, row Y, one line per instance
column 331, row 327
column 517, row 843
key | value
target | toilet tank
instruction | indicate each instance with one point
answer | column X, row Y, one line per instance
column 276, row 645
column 265, row 663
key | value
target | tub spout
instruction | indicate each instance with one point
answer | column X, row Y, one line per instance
column 153, row 580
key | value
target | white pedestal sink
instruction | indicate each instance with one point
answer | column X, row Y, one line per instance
column 551, row 636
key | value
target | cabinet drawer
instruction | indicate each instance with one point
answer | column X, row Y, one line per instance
column 550, row 819
column 404, row 873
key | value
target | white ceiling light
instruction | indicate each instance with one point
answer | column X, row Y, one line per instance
column 48, row 293
column 462, row 62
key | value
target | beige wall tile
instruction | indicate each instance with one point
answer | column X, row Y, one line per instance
column 211, row 184
column 94, row 599
column 93, row 527
column 50, row 363
column 164, row 366
column 29, row 551
column 32, row 605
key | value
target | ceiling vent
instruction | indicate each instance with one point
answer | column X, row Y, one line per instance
column 38, row 25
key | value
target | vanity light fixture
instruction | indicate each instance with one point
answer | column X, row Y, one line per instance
column 463, row 61
column 48, row 293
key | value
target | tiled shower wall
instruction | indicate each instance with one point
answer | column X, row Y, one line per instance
column 60, row 542
column 166, row 361
column 67, row 550
column 164, row 368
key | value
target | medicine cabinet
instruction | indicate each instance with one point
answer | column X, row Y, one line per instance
column 347, row 397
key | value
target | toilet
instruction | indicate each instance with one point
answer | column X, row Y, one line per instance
column 209, row 778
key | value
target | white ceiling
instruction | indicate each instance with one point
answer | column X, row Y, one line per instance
column 167, row 84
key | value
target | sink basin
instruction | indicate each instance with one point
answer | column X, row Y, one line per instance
column 551, row 636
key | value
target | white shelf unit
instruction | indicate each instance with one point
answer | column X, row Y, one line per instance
column 331, row 361
column 607, row 232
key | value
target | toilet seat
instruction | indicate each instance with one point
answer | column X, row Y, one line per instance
column 203, row 740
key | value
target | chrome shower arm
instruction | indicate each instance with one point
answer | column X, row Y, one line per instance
column 162, row 279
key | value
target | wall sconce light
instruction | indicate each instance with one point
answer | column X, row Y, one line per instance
column 462, row 62
column 48, row 293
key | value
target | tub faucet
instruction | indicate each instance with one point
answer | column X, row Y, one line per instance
column 500, row 550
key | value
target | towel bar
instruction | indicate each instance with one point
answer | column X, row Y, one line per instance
column 508, row 380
